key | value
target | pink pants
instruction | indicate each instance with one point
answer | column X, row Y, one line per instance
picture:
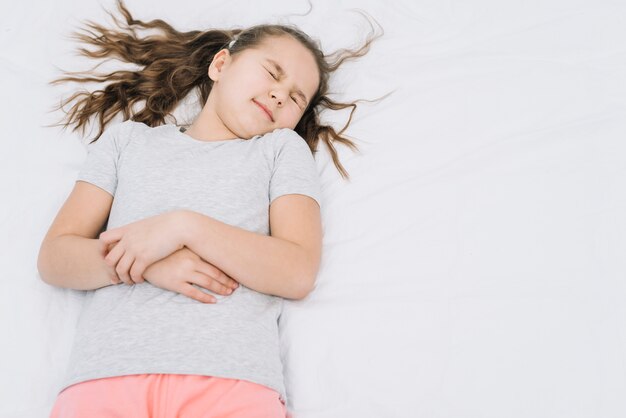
column 168, row 396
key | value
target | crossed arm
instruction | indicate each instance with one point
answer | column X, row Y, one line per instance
column 284, row 264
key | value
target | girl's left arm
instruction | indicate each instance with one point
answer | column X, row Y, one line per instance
column 283, row 264
column 268, row 264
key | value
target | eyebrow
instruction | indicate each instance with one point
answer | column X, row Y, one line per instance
column 282, row 72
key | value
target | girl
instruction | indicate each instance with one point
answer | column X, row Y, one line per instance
column 187, row 241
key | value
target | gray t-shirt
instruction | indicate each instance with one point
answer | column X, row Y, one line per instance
column 123, row 329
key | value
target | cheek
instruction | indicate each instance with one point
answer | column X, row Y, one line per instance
column 295, row 119
column 291, row 115
column 254, row 82
column 242, row 86
column 298, row 113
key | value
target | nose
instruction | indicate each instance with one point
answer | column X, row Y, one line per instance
column 279, row 96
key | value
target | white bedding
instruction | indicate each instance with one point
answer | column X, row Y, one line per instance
column 473, row 267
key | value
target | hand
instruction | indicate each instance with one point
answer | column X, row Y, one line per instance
column 180, row 270
column 139, row 244
column 104, row 250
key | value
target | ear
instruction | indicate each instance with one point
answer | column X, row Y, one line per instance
column 221, row 59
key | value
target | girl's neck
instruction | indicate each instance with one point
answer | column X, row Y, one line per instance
column 208, row 127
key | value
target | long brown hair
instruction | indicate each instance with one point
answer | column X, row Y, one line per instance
column 176, row 62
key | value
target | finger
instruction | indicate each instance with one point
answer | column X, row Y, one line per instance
column 103, row 248
column 114, row 256
column 217, row 274
column 209, row 283
column 136, row 271
column 111, row 235
column 230, row 282
column 190, row 291
column 122, row 268
column 108, row 248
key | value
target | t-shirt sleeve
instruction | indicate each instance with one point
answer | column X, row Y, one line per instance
column 295, row 171
column 100, row 166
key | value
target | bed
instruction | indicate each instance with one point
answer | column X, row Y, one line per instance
column 473, row 265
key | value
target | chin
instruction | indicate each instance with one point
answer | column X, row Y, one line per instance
column 264, row 130
column 252, row 134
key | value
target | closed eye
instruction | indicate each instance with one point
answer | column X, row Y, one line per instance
column 272, row 75
column 275, row 78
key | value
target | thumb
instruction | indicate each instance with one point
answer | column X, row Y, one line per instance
column 111, row 235
column 104, row 248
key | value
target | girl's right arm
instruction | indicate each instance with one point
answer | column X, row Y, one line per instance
column 71, row 255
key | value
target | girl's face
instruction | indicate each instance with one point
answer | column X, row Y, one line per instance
column 279, row 75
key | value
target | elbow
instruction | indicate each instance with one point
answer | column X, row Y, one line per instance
column 300, row 284
column 304, row 288
column 307, row 280
column 308, row 290
column 305, row 274
column 295, row 286
column 43, row 263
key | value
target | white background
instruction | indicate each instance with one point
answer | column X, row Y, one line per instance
column 474, row 264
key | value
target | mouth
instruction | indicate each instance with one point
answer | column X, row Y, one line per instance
column 266, row 110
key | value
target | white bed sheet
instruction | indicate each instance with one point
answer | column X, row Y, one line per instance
column 473, row 267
